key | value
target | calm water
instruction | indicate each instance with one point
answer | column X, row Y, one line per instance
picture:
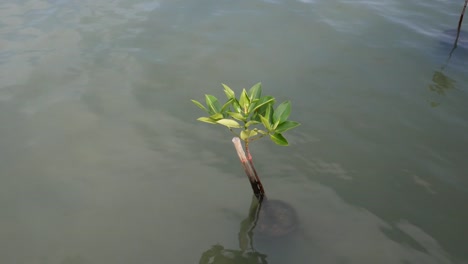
column 102, row 160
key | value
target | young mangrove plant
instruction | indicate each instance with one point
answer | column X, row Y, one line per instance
column 249, row 117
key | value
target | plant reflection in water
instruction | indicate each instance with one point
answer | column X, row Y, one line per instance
column 217, row 254
column 442, row 82
column 270, row 222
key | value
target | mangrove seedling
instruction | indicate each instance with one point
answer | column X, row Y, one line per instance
column 249, row 117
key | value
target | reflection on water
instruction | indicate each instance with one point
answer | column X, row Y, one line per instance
column 247, row 253
column 457, row 40
column 218, row 255
column 260, row 220
column 441, row 84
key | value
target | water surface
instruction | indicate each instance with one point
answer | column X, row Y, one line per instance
column 102, row 160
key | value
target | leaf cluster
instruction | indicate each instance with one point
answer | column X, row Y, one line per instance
column 250, row 116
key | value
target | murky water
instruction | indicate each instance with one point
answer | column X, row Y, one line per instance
column 102, row 161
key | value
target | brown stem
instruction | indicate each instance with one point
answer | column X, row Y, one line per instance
column 249, row 170
column 458, row 34
column 461, row 16
column 460, row 23
column 249, row 158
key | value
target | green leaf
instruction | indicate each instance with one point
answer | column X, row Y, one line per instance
column 229, row 123
column 216, row 116
column 265, row 123
column 255, row 92
column 251, row 122
column 244, row 134
column 252, row 105
column 229, row 92
column 263, row 102
column 286, row 125
column 236, row 105
column 207, row 120
column 237, row 116
column 253, row 133
column 226, row 105
column 275, row 125
column 279, row 139
column 255, row 117
column 250, row 109
column 199, row 105
column 244, row 101
column 282, row 112
column 212, row 103
column 269, row 113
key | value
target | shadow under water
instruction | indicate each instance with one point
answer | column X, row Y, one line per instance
column 455, row 45
column 271, row 220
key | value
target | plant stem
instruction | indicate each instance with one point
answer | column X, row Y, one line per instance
column 460, row 24
column 257, row 186
column 249, row 158
column 458, row 34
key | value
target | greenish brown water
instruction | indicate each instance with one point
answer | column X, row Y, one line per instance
column 102, row 161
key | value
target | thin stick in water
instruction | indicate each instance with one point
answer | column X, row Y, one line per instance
column 249, row 171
